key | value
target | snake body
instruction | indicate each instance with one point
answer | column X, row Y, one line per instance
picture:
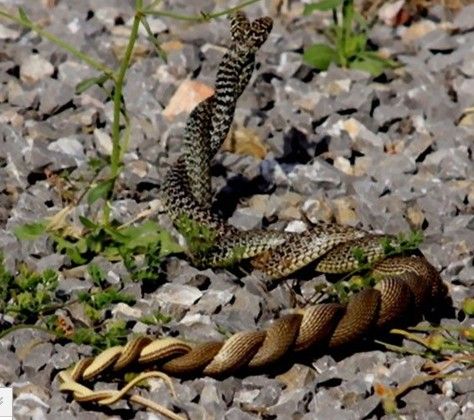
column 408, row 285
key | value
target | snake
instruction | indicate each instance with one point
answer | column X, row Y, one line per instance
column 407, row 285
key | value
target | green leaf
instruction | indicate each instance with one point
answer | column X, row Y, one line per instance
column 24, row 17
column 387, row 61
column 347, row 16
column 101, row 190
column 71, row 250
column 89, row 224
column 168, row 244
column 468, row 306
column 141, row 236
column 370, row 65
column 81, row 87
column 96, row 164
column 321, row 6
column 96, row 273
column 81, row 245
column 30, row 230
column 387, row 245
column 355, row 44
column 320, row 56
column 359, row 254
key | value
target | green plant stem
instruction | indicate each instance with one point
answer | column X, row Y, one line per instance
column 95, row 64
column 197, row 18
column 115, row 158
column 117, row 98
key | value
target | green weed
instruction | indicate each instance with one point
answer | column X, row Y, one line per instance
column 96, row 302
column 157, row 318
column 115, row 333
column 30, row 299
column 348, row 38
column 27, row 294
column 199, row 237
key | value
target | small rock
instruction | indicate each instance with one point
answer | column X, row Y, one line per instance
column 289, row 63
column 37, row 356
column 102, row 141
column 298, row 376
column 29, row 406
column 417, row 30
column 35, row 68
column 69, row 146
column 64, row 356
column 9, row 368
column 338, row 87
column 244, row 141
column 246, row 218
column 8, row 33
column 139, row 168
column 178, row 294
column 18, row 96
column 186, row 97
column 296, row 226
column 290, row 403
column 383, row 114
column 156, row 25
column 415, row 216
column 464, row 19
column 213, row 299
column 362, row 137
column 389, row 12
column 123, row 311
column 55, row 95
column 463, row 386
column 344, row 211
column 343, row 164
column 237, row 414
column 72, row 73
column 317, row 210
column 418, row 398
column 310, row 178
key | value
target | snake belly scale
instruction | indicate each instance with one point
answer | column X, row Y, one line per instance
column 408, row 285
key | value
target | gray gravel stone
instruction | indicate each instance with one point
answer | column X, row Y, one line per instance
column 55, row 95
column 464, row 19
column 35, row 68
column 69, row 146
column 37, row 356
column 463, row 386
column 246, row 219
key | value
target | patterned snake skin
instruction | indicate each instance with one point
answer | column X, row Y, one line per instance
column 407, row 286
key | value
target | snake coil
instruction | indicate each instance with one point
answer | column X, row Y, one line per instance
column 407, row 285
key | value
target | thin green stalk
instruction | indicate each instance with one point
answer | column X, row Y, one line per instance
column 198, row 18
column 348, row 17
column 115, row 158
column 153, row 4
column 97, row 65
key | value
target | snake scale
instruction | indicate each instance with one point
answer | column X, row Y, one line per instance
column 408, row 284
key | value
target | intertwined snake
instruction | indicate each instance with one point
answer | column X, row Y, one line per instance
column 407, row 284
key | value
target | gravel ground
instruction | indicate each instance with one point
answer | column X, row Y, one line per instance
column 387, row 154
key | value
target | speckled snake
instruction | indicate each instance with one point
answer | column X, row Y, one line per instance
column 406, row 283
